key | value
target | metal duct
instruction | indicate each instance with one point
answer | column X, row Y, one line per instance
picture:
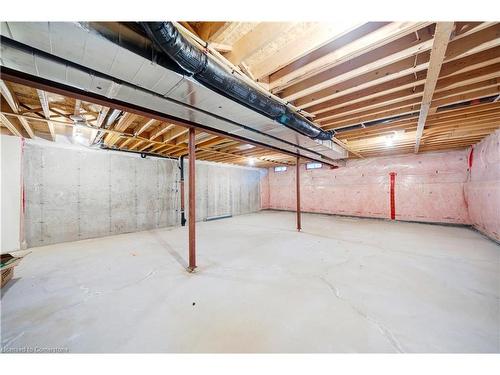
column 210, row 72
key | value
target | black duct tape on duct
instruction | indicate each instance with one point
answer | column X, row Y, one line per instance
column 213, row 75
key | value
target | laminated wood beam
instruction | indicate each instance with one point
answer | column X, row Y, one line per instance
column 441, row 40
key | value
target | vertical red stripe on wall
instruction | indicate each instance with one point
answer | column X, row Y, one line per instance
column 393, row 201
column 471, row 157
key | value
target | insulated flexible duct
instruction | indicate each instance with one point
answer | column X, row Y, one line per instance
column 211, row 73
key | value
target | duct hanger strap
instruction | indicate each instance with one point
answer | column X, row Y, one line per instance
column 213, row 75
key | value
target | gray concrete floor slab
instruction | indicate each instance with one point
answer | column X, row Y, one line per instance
column 341, row 285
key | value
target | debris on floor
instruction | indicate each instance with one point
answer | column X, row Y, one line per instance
column 7, row 263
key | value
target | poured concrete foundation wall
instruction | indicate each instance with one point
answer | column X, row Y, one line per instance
column 224, row 190
column 74, row 194
column 428, row 187
column 264, row 189
column 483, row 189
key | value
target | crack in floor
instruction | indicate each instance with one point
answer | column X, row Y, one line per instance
column 384, row 330
column 377, row 246
column 89, row 294
column 10, row 340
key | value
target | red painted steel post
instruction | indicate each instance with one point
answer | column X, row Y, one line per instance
column 192, row 201
column 297, row 177
column 393, row 199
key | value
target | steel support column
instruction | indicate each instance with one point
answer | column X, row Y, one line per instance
column 183, row 212
column 297, row 178
column 192, row 201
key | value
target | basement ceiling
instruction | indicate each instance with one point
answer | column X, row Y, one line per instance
column 24, row 116
column 367, row 81
column 370, row 83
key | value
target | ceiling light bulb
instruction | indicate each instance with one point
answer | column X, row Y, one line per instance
column 80, row 135
column 388, row 141
column 251, row 161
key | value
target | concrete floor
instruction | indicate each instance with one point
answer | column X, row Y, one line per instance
column 342, row 285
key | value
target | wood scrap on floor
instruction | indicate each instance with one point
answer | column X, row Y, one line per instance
column 7, row 263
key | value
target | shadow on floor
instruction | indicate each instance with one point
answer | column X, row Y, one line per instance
column 9, row 284
column 177, row 257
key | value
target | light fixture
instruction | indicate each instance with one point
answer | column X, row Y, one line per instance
column 388, row 140
column 78, row 134
column 251, row 161
column 81, row 134
column 77, row 118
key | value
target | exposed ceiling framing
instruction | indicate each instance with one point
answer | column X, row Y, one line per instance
column 376, row 81
column 49, row 116
column 383, row 87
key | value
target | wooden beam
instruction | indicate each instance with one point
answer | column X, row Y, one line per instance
column 222, row 48
column 174, row 132
column 362, row 62
column 256, row 39
column 44, row 101
column 310, row 37
column 448, row 89
column 78, row 107
column 378, row 113
column 99, row 121
column 160, row 130
column 231, row 32
column 13, row 103
column 101, row 116
column 367, row 86
column 441, row 40
column 360, row 73
column 206, row 30
column 487, row 90
column 219, row 34
column 123, row 123
column 146, row 126
column 245, row 69
column 213, row 141
column 189, row 27
column 344, row 49
column 9, row 125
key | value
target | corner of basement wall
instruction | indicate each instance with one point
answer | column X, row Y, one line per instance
column 482, row 190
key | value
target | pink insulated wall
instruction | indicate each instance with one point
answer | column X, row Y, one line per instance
column 428, row 187
column 483, row 188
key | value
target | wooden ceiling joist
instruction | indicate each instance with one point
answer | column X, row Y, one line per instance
column 44, row 101
column 344, row 76
column 14, row 106
column 310, row 38
column 254, row 40
column 13, row 128
column 387, row 40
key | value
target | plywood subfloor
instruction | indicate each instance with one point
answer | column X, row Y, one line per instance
column 342, row 285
